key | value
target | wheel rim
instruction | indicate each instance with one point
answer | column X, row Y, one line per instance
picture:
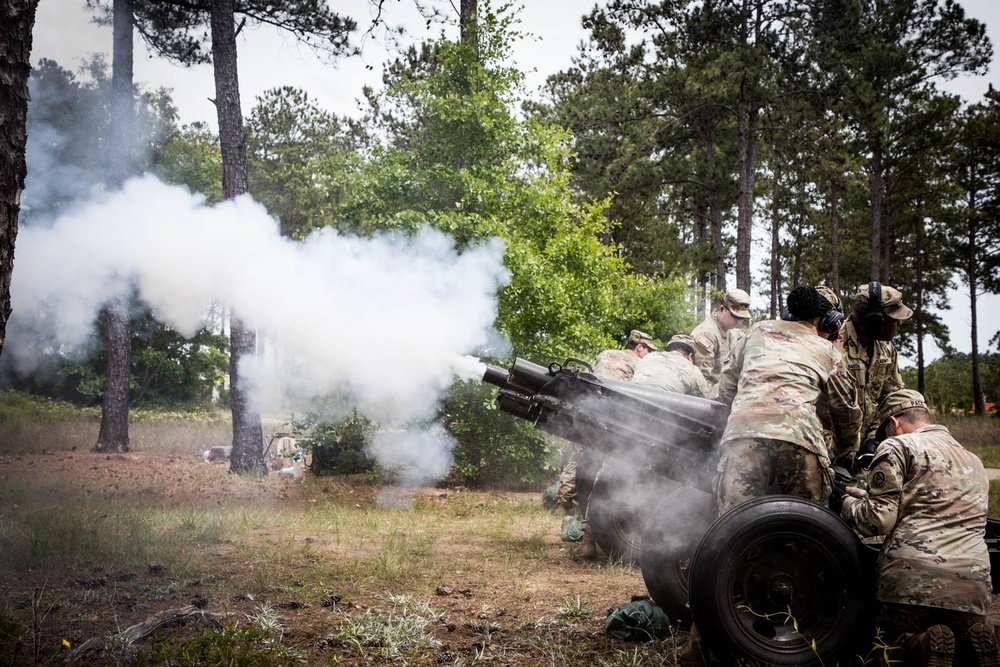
column 785, row 591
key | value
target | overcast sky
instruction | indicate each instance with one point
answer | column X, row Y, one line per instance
column 64, row 33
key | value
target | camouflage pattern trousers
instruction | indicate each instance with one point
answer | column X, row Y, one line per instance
column 749, row 467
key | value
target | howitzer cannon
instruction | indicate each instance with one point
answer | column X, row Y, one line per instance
column 780, row 580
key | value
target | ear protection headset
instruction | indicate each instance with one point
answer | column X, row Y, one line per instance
column 875, row 317
column 831, row 320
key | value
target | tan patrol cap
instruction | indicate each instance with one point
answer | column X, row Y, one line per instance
column 896, row 402
column 892, row 302
column 829, row 294
column 738, row 303
column 681, row 341
column 641, row 337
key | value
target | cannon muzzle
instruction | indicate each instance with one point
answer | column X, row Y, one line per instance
column 495, row 375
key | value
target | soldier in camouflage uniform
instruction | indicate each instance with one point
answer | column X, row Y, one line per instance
column 866, row 343
column 779, row 378
column 616, row 365
column 776, row 376
column 715, row 336
column 929, row 496
column 672, row 369
column 620, row 364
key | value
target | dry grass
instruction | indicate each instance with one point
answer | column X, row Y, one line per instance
column 332, row 571
column 329, row 571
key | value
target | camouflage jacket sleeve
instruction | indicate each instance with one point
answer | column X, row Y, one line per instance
column 731, row 369
column 841, row 405
column 878, row 513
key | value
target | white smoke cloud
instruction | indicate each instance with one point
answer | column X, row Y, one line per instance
column 385, row 323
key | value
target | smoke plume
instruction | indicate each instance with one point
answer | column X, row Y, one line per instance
column 383, row 324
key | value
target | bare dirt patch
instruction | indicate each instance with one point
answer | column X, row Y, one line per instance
column 498, row 584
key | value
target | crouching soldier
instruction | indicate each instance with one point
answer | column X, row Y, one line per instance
column 929, row 496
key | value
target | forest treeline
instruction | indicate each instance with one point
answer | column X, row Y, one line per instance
column 690, row 148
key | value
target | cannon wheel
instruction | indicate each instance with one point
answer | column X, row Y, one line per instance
column 781, row 581
column 669, row 540
column 620, row 503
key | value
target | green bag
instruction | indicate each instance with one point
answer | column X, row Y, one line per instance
column 640, row 621
column 572, row 529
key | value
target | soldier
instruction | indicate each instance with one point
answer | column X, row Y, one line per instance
column 574, row 487
column 866, row 342
column 778, row 378
column 715, row 336
column 929, row 496
column 672, row 369
column 620, row 364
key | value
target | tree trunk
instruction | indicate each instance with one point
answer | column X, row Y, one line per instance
column 878, row 195
column 17, row 18
column 469, row 25
column 835, row 234
column 747, row 108
column 113, row 434
column 247, row 457
column 919, row 308
column 775, row 308
column 715, row 213
column 972, row 270
column 747, row 177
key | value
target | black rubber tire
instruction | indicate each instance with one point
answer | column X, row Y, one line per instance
column 669, row 539
column 781, row 581
column 620, row 503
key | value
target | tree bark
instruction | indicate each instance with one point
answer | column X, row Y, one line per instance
column 469, row 25
column 247, row 457
column 113, row 434
column 878, row 195
column 972, row 270
column 17, row 18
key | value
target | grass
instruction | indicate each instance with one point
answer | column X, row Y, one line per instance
column 317, row 573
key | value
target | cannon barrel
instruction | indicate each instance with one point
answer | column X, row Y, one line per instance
column 673, row 433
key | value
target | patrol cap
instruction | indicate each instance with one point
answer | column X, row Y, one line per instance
column 641, row 337
column 738, row 303
column 829, row 294
column 892, row 302
column 896, row 402
column 681, row 341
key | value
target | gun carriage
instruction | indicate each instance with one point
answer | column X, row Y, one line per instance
column 780, row 580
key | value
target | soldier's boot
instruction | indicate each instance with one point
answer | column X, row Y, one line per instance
column 586, row 548
column 934, row 648
column 693, row 653
column 983, row 644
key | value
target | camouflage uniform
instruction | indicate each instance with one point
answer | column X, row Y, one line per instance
column 712, row 345
column 874, row 377
column 616, row 364
column 671, row 371
column 712, row 341
column 778, row 375
column 929, row 495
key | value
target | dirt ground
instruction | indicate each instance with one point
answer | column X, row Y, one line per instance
column 522, row 599
column 510, row 594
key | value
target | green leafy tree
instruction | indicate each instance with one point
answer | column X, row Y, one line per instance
column 977, row 235
column 456, row 155
column 299, row 159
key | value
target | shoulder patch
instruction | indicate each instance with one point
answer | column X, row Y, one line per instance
column 883, row 479
column 705, row 342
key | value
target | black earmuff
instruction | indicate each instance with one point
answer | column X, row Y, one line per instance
column 832, row 320
column 875, row 317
